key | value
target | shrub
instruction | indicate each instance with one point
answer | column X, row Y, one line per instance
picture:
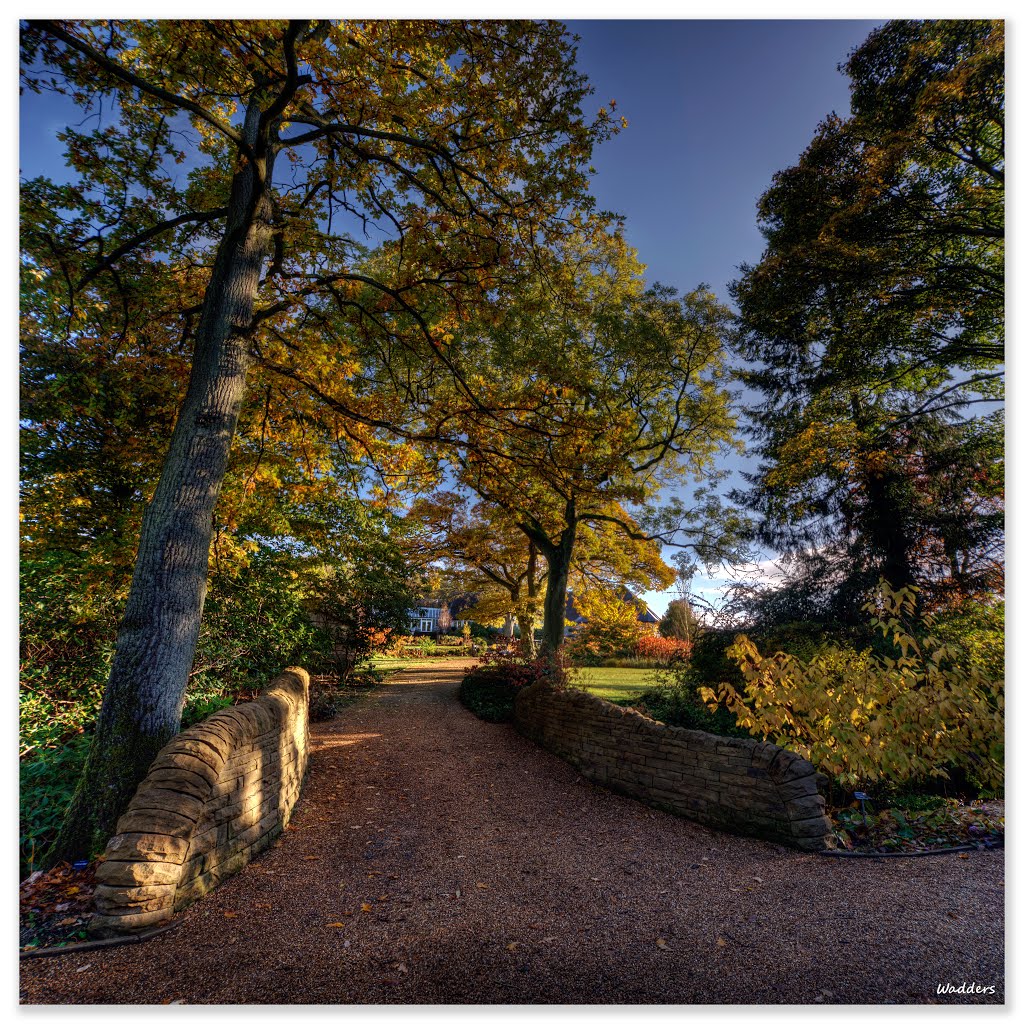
column 677, row 701
column 48, row 781
column 611, row 627
column 489, row 690
column 663, row 649
column 863, row 716
column 488, row 693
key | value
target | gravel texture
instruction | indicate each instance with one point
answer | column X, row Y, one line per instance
column 435, row 858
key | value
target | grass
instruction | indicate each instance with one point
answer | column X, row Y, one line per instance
column 394, row 664
column 620, row 685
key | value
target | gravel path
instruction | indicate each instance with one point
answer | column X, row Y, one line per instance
column 466, row 865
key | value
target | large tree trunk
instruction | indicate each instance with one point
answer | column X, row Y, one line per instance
column 558, row 555
column 156, row 643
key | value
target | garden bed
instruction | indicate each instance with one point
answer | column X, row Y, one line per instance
column 55, row 907
column 941, row 824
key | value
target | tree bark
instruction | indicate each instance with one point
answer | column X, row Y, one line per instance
column 558, row 555
column 526, row 608
column 156, row 642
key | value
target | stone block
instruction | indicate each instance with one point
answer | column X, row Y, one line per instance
column 186, row 762
column 182, row 781
column 133, row 874
column 162, row 822
column 805, row 806
column 104, row 926
column 810, row 827
column 127, row 896
column 199, row 748
column 151, row 797
column 115, row 899
column 147, row 846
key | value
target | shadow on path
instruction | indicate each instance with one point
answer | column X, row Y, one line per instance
column 436, row 858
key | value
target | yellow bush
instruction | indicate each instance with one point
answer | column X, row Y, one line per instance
column 861, row 717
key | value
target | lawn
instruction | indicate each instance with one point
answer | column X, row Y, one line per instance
column 616, row 684
column 394, row 664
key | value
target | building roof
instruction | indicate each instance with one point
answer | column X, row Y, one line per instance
column 644, row 614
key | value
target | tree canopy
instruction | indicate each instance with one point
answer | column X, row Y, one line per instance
column 874, row 320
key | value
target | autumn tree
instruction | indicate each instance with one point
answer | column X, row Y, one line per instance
column 482, row 546
column 874, row 320
column 610, row 389
column 460, row 142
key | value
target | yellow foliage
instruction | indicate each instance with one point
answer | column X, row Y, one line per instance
column 861, row 717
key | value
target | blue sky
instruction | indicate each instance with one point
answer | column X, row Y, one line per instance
column 715, row 108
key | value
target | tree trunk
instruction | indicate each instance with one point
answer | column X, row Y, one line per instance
column 558, row 556
column 156, row 643
column 526, row 609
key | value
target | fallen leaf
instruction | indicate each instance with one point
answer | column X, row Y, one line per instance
column 84, row 967
column 311, row 856
column 721, row 941
column 402, row 969
column 661, row 944
column 67, row 921
column 336, row 924
column 72, row 889
column 366, row 908
column 756, row 879
column 512, row 945
column 481, row 885
column 964, row 856
column 230, row 913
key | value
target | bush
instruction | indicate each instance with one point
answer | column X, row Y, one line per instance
column 47, row 783
column 677, row 701
column 488, row 693
column 662, row 650
column 863, row 716
column 489, row 690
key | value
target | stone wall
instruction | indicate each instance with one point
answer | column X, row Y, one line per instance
column 215, row 796
column 737, row 785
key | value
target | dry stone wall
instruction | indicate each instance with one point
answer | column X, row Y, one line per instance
column 737, row 785
column 215, row 796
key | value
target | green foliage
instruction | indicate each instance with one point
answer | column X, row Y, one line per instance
column 676, row 701
column 979, row 631
column 488, row 693
column 610, row 628
column 861, row 716
column 255, row 624
column 873, row 325
column 680, row 622
column 47, row 780
column 915, row 826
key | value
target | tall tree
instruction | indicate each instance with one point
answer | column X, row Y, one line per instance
column 616, row 389
column 875, row 316
column 460, row 141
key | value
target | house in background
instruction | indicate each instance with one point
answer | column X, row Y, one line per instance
column 426, row 617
